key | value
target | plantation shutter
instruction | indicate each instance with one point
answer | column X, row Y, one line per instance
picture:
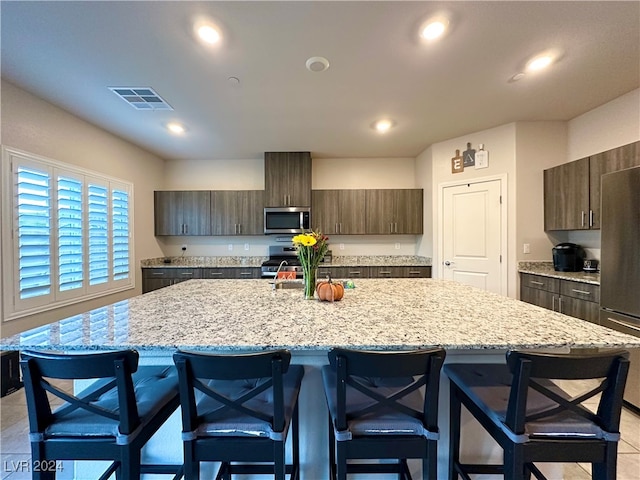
column 120, row 233
column 98, row 204
column 34, row 230
column 70, row 234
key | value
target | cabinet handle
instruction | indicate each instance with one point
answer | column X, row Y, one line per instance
column 560, row 304
column 245, row 273
column 396, row 227
column 583, row 292
column 391, row 227
column 211, row 274
column 414, row 272
column 384, row 272
column 533, row 282
column 186, row 274
column 583, row 218
column 157, row 274
column 336, row 229
column 553, row 303
column 340, row 224
column 354, row 273
column 591, row 218
column 624, row 324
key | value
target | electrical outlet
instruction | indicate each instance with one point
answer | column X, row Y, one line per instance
column 230, row 247
column 526, row 248
column 342, row 246
column 397, row 246
column 184, row 248
column 246, row 246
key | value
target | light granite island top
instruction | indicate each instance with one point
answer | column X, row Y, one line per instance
column 379, row 314
column 389, row 314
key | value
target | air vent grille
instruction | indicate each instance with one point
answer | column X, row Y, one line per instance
column 141, row 98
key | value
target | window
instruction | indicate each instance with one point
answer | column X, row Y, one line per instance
column 69, row 236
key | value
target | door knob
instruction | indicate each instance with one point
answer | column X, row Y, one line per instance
column 448, row 263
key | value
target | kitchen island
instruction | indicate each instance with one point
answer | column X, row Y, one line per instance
column 248, row 315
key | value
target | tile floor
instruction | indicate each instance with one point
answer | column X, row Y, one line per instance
column 15, row 450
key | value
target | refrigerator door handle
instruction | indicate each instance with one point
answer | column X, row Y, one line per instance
column 624, row 324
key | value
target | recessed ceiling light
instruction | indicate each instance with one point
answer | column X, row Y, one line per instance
column 542, row 61
column 383, row 125
column 208, row 34
column 434, row 28
column 317, row 64
column 175, row 128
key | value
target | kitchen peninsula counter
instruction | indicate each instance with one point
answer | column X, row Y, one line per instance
column 546, row 269
column 389, row 314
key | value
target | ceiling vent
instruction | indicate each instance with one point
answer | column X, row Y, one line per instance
column 141, row 98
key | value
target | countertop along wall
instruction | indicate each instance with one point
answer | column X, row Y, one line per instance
column 36, row 126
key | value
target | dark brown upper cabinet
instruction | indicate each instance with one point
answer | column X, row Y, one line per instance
column 287, row 179
column 572, row 190
column 182, row 212
column 237, row 212
column 338, row 212
column 394, row 211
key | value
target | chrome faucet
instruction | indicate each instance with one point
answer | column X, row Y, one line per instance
column 275, row 279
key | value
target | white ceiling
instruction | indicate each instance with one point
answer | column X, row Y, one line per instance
column 70, row 52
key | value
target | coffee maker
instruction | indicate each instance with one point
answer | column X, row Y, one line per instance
column 568, row 257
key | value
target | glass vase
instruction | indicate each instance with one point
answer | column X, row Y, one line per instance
column 309, row 278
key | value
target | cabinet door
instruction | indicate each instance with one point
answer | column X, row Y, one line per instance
column 408, row 212
column 582, row 309
column 352, row 212
column 287, row 179
column 566, row 196
column 325, row 211
column 416, row 272
column 182, row 212
column 351, row 272
column 538, row 297
column 225, row 215
column 613, row 160
column 196, row 212
column 251, row 207
column 386, row 272
column 168, row 213
column 380, row 211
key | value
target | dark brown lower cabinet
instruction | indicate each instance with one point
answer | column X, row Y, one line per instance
column 374, row 272
column 576, row 299
column 155, row 278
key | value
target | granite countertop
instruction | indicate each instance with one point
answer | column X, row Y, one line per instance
column 546, row 269
column 255, row 261
column 242, row 315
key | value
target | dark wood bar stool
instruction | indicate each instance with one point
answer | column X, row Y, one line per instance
column 377, row 410
column 533, row 419
column 239, row 408
column 110, row 420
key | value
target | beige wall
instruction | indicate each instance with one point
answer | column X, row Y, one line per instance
column 31, row 124
column 539, row 145
column 611, row 125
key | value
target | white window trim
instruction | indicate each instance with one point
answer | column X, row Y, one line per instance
column 12, row 309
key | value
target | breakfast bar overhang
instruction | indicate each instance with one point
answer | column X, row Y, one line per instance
column 249, row 315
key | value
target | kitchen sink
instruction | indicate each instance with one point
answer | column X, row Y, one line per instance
column 287, row 285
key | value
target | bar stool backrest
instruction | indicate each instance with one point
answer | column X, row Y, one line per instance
column 420, row 368
column 611, row 367
column 264, row 369
column 114, row 369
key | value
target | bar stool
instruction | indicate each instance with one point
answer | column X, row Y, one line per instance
column 377, row 410
column 533, row 419
column 112, row 419
column 238, row 408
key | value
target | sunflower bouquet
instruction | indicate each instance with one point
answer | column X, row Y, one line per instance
column 311, row 248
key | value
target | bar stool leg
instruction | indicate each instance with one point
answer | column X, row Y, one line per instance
column 455, row 410
column 429, row 464
column 514, row 467
column 341, row 463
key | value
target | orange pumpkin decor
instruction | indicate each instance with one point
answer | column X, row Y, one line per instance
column 329, row 291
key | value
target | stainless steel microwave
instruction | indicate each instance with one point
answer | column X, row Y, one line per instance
column 293, row 220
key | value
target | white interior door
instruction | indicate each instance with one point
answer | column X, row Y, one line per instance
column 472, row 235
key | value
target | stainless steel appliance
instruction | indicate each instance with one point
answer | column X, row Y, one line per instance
column 293, row 220
column 277, row 255
column 590, row 265
column 620, row 265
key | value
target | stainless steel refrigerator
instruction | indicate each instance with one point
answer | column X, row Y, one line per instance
column 620, row 263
